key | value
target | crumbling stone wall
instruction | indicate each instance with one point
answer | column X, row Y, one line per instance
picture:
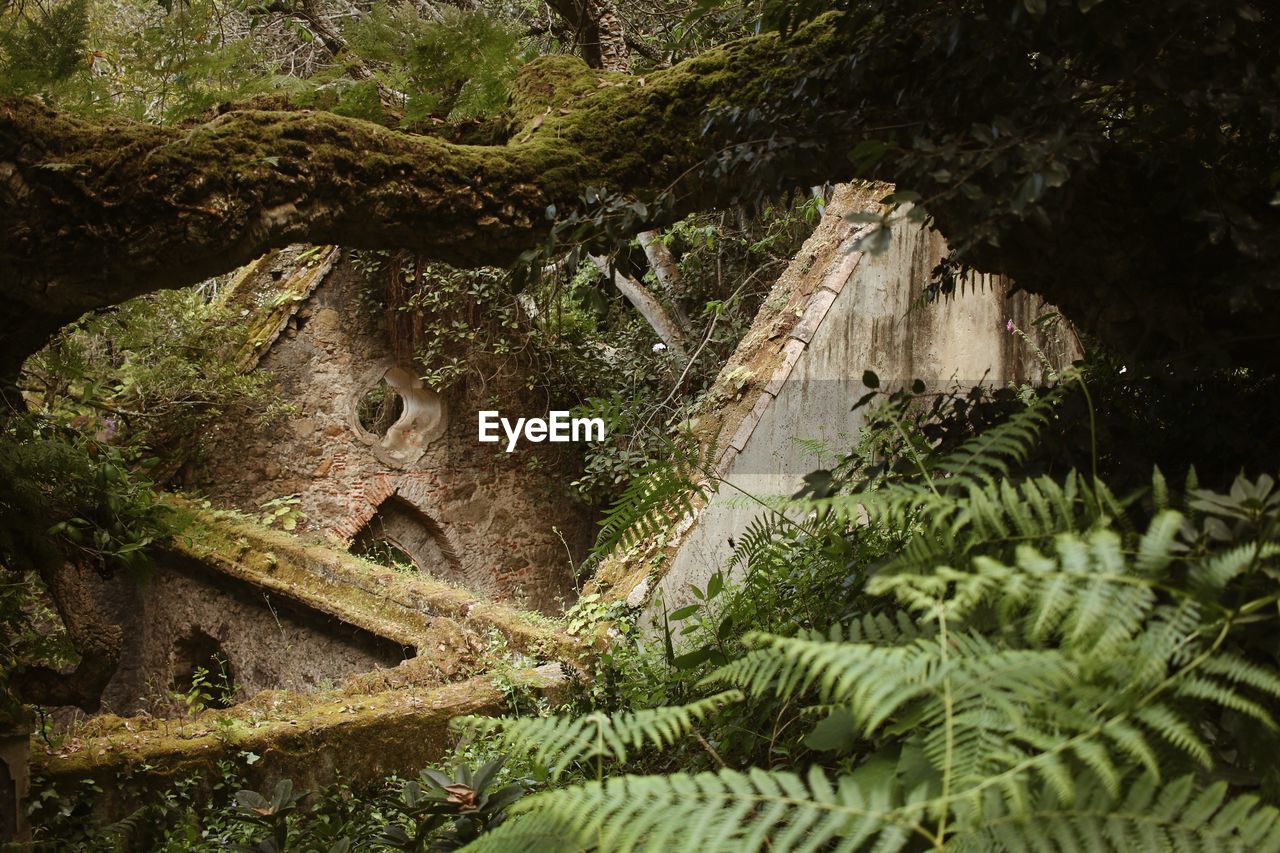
column 782, row 406
column 499, row 515
column 174, row 619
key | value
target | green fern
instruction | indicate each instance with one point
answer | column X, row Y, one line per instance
column 1051, row 664
column 559, row 742
column 990, row 456
column 725, row 811
column 656, row 499
column 1148, row 818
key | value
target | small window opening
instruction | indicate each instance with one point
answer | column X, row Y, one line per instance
column 373, row 544
column 202, row 672
column 380, row 408
column 401, row 537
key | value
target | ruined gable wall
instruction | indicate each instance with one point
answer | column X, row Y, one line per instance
column 498, row 512
column 268, row 643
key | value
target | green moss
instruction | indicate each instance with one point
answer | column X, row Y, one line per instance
column 415, row 611
column 305, row 738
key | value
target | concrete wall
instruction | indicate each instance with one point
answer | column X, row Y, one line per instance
column 496, row 512
column 860, row 312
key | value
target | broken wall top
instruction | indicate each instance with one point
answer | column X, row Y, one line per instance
column 791, row 384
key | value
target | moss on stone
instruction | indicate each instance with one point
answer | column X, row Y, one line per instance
column 418, row 612
column 310, row 739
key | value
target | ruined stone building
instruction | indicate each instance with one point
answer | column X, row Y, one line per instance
column 377, row 660
column 284, row 645
column 380, row 463
column 369, row 461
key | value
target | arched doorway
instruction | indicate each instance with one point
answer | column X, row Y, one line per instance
column 402, row 537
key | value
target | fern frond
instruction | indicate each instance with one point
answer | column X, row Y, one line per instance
column 883, row 629
column 763, row 533
column 129, row 831
column 988, row 456
column 1084, row 594
column 875, row 682
column 1211, row 575
column 724, row 811
column 950, row 525
column 558, row 742
column 659, row 496
column 1147, row 818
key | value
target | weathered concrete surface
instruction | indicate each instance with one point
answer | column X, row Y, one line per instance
column 327, row 347
column 792, row 382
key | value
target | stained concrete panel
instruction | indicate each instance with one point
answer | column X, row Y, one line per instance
column 877, row 322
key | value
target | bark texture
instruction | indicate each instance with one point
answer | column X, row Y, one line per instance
column 95, row 213
column 597, row 32
column 666, row 326
column 96, row 639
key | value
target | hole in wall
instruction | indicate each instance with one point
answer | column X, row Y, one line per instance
column 398, row 417
column 380, row 408
column 202, row 671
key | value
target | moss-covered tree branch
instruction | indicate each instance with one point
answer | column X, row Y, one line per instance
column 1161, row 237
column 95, row 213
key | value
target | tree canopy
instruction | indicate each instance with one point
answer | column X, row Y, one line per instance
column 1120, row 163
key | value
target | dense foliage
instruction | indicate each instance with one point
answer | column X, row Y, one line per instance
column 1039, row 662
column 1120, row 162
column 1020, row 619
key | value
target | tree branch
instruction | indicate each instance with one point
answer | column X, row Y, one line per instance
column 92, row 213
column 662, row 323
column 97, row 640
column 665, row 271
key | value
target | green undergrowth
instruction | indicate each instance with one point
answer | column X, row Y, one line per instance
column 949, row 640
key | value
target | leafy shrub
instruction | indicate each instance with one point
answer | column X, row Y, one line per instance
column 1055, row 666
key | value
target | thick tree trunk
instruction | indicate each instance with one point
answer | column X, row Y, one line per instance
column 598, row 34
column 92, row 213
column 97, row 640
column 609, row 50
